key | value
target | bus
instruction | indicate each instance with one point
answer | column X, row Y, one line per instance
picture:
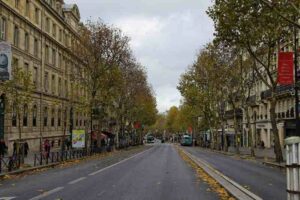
column 186, row 140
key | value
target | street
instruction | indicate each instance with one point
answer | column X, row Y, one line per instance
column 156, row 173
column 264, row 181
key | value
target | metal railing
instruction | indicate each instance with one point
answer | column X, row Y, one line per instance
column 60, row 156
column 9, row 163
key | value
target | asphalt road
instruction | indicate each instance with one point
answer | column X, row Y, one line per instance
column 264, row 181
column 157, row 173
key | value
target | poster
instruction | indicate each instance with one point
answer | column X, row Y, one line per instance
column 5, row 61
column 78, row 139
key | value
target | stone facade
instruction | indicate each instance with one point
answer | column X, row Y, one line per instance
column 43, row 34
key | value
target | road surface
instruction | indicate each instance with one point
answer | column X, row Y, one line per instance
column 156, row 173
column 264, row 181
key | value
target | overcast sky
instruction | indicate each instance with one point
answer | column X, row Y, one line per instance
column 165, row 36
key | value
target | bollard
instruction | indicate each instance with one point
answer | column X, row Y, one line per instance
column 293, row 167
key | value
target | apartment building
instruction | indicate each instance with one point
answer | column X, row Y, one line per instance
column 42, row 34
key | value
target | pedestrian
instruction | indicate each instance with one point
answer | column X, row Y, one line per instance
column 15, row 148
column 47, row 148
column 26, row 148
column 3, row 148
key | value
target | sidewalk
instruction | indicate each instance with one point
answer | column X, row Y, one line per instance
column 265, row 156
column 28, row 161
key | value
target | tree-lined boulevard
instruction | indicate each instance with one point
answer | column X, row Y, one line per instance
column 80, row 119
column 151, row 172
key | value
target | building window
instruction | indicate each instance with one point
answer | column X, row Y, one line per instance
column 59, row 118
column 2, row 28
column 25, row 115
column 59, row 86
column 53, row 57
column 37, row 16
column 27, row 8
column 17, row 3
column 47, row 54
column 52, row 117
column 60, row 35
column 26, row 42
column 16, row 36
column 26, row 68
column 59, row 60
column 45, row 116
column 35, row 76
column 46, row 82
column 66, row 88
column 48, row 24
column 53, row 84
column 34, row 115
column 14, row 115
column 54, row 30
column 36, row 47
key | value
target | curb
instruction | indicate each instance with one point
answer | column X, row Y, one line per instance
column 235, row 189
column 20, row 171
column 271, row 164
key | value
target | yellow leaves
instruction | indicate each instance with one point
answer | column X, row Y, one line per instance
column 7, row 177
column 247, row 187
column 214, row 186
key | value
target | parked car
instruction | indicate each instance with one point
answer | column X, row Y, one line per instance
column 150, row 139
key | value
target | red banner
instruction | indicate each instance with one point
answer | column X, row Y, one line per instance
column 285, row 68
column 137, row 125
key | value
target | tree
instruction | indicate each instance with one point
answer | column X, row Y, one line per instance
column 18, row 92
column 103, row 49
column 259, row 32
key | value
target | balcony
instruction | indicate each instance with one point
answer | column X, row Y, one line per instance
column 281, row 90
column 230, row 113
column 266, row 94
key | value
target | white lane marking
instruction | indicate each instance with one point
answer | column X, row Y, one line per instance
column 47, row 193
column 76, row 180
column 7, row 198
column 126, row 159
column 101, row 193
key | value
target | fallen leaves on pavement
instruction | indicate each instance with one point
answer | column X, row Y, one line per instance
column 202, row 175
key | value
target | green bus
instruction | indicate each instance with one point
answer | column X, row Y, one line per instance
column 186, row 140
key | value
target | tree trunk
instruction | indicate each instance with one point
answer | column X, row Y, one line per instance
column 237, row 149
column 277, row 145
column 250, row 132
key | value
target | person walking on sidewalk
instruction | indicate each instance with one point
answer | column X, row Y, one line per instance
column 47, row 148
column 15, row 148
